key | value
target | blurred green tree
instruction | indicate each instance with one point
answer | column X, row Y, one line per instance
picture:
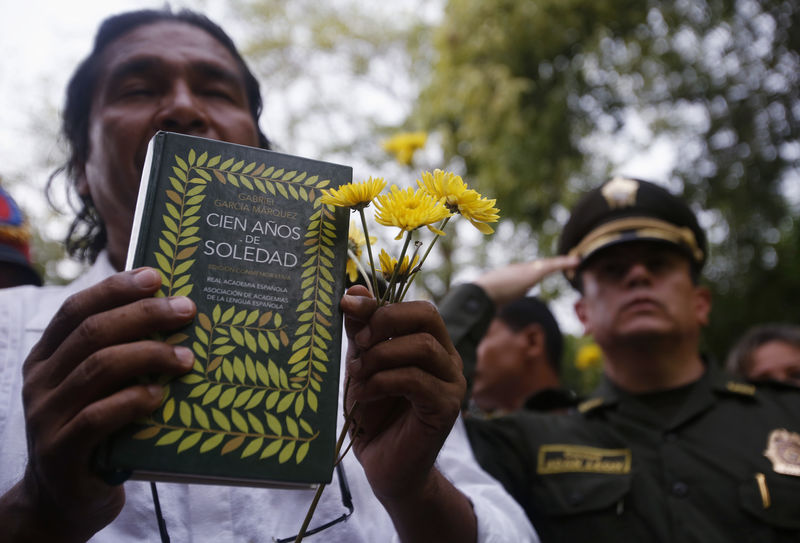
column 338, row 77
column 534, row 100
column 531, row 95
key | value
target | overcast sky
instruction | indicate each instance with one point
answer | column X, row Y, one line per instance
column 41, row 42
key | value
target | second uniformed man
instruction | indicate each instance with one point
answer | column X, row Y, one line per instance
column 669, row 449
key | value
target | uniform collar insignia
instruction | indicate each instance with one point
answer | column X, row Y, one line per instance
column 745, row 389
column 783, row 450
column 620, row 192
column 588, row 405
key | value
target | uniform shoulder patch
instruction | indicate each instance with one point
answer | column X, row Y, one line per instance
column 566, row 458
column 783, row 450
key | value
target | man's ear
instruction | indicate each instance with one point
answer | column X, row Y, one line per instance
column 81, row 183
column 534, row 340
column 582, row 313
column 702, row 304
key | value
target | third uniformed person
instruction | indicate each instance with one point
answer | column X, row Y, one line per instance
column 669, row 448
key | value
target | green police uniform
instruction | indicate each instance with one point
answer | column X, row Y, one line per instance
column 467, row 312
column 715, row 461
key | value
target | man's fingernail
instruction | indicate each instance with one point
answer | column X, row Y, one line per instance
column 182, row 305
column 184, row 356
column 156, row 391
column 146, row 278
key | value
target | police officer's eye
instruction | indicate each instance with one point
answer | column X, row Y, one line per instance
column 612, row 270
column 663, row 262
column 657, row 263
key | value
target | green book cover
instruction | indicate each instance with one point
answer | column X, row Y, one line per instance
column 242, row 232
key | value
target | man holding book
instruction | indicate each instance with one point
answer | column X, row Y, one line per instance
column 84, row 354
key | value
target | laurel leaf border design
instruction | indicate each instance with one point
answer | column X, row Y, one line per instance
column 240, row 402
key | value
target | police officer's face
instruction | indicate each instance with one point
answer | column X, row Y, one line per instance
column 776, row 360
column 641, row 289
column 162, row 76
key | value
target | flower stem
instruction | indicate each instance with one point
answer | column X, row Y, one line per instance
column 306, row 521
column 362, row 271
column 424, row 257
column 369, row 252
column 311, row 509
column 395, row 273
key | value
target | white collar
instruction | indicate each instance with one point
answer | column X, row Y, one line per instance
column 56, row 294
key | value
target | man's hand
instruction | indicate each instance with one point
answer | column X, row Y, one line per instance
column 80, row 385
column 406, row 377
column 513, row 281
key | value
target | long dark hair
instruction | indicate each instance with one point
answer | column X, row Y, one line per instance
column 87, row 233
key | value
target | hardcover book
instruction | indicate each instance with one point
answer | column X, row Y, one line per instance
column 242, row 232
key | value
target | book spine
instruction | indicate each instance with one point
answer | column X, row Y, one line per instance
column 144, row 202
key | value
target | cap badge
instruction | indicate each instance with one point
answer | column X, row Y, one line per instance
column 620, row 192
column 783, row 450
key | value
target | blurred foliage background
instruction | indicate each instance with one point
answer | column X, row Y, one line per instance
column 533, row 101
column 540, row 86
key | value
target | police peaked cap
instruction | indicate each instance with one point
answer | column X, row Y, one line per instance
column 623, row 210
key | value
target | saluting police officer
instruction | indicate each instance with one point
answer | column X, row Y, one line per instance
column 669, row 448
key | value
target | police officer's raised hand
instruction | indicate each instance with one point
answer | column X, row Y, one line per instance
column 80, row 385
column 511, row 282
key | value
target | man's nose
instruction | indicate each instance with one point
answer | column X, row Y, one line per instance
column 637, row 273
column 180, row 111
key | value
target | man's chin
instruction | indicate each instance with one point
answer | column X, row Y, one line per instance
column 646, row 329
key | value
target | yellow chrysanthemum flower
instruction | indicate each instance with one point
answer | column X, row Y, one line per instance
column 403, row 145
column 408, row 210
column 589, row 356
column 356, row 241
column 451, row 190
column 388, row 264
column 354, row 195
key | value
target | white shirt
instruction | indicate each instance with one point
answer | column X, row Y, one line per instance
column 218, row 514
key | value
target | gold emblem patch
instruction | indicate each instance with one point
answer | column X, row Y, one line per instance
column 558, row 458
column 783, row 450
column 620, row 192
